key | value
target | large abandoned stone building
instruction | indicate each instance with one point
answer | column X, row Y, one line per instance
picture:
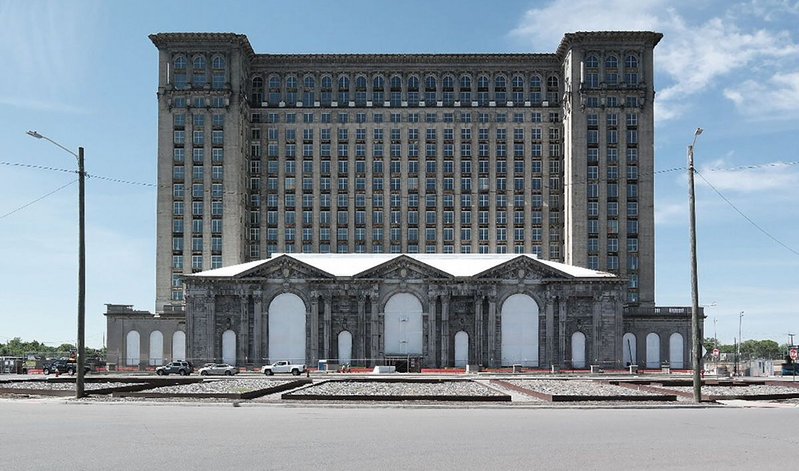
column 548, row 154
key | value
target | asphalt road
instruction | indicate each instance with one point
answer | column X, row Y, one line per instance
column 65, row 435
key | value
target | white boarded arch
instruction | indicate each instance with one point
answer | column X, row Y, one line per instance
column 132, row 351
column 287, row 328
column 403, row 325
column 520, row 331
column 179, row 345
column 229, row 347
column 653, row 350
column 156, row 348
column 461, row 349
column 676, row 351
column 344, row 347
column 629, row 353
column 578, row 350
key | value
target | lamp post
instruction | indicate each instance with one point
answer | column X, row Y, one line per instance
column 696, row 339
column 79, row 382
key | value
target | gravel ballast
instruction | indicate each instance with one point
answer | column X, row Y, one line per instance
column 576, row 388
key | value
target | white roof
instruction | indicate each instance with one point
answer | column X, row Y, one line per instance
column 352, row 264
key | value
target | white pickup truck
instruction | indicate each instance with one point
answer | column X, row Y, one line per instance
column 283, row 367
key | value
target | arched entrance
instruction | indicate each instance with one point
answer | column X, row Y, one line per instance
column 229, row 347
column 403, row 325
column 653, row 350
column 461, row 349
column 156, row 348
column 132, row 352
column 578, row 350
column 344, row 347
column 520, row 331
column 179, row 345
column 629, row 353
column 287, row 328
column 676, row 351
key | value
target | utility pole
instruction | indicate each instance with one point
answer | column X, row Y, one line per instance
column 696, row 339
column 740, row 337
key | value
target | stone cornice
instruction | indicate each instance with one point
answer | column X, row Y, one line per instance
column 162, row 40
column 594, row 38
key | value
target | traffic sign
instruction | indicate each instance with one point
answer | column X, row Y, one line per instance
column 716, row 352
column 794, row 354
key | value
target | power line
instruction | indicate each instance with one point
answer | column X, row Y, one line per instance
column 37, row 199
column 744, row 215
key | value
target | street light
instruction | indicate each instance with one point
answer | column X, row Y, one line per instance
column 79, row 382
column 696, row 340
column 740, row 339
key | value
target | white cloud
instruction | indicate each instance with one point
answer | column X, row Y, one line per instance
column 775, row 98
column 671, row 213
column 695, row 55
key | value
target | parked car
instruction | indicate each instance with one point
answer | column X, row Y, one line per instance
column 180, row 367
column 64, row 365
column 283, row 367
column 218, row 369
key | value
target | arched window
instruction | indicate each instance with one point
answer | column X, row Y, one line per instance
column 343, row 90
column 552, row 89
column 180, row 63
column 519, row 324
column 518, row 89
column 413, row 90
column 676, row 351
column 465, row 92
column 631, row 62
column 344, row 347
column 180, row 78
column 274, row 91
column 218, row 62
column 360, row 90
column 611, row 62
column 257, row 94
column 179, row 345
column 448, row 86
column 578, row 350
column 132, row 346
column 396, row 90
column 327, row 83
column 535, row 89
column 326, row 94
column 291, row 90
column 198, row 77
column 287, row 328
column 309, row 81
column 482, row 90
column 218, row 72
column 378, row 90
column 308, row 95
column 360, row 83
column 413, row 83
column 403, row 325
column 629, row 349
column 156, row 348
column 198, row 63
column 500, row 94
column 591, row 61
column 430, row 90
column 652, row 350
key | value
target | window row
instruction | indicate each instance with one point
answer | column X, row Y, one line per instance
column 407, row 117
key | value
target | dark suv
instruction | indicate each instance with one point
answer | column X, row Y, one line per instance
column 64, row 365
column 180, row 367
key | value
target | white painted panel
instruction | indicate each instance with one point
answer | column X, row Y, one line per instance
column 578, row 350
column 461, row 349
column 653, row 350
column 229, row 347
column 344, row 347
column 132, row 345
column 287, row 328
column 179, row 345
column 676, row 351
column 520, row 331
column 403, row 325
column 156, row 348
column 630, row 355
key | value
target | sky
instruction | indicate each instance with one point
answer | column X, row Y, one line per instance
column 85, row 74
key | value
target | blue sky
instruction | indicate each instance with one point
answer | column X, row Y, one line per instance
column 85, row 74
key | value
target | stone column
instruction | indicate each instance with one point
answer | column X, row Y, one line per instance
column 359, row 342
column 432, row 330
column 550, row 332
column 327, row 326
column 257, row 326
column 492, row 330
column 596, row 330
column 478, row 329
column 562, row 331
column 445, row 331
column 374, row 329
column 211, row 329
column 314, row 334
column 243, row 344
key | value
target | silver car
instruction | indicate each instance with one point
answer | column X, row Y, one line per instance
column 218, row 369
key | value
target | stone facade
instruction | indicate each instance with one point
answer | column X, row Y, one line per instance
column 550, row 154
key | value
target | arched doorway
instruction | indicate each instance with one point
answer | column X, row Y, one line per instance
column 578, row 350
column 629, row 353
column 156, row 348
column 520, row 331
column 653, row 350
column 344, row 347
column 132, row 352
column 461, row 349
column 676, row 351
column 179, row 345
column 287, row 328
column 229, row 347
column 403, row 325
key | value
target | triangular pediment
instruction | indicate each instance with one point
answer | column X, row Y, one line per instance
column 286, row 267
column 522, row 268
column 403, row 268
